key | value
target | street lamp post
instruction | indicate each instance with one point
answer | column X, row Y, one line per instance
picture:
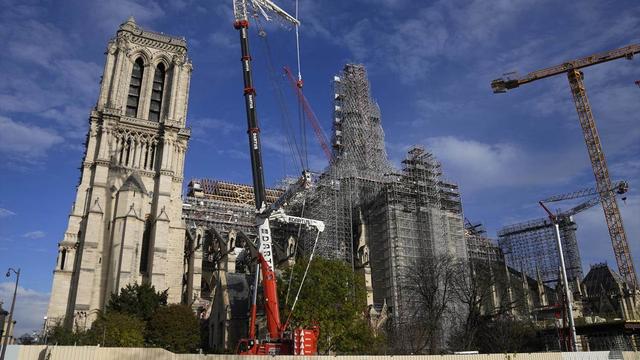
column 3, row 317
column 13, row 304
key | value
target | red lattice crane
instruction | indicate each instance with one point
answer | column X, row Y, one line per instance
column 592, row 139
column 311, row 116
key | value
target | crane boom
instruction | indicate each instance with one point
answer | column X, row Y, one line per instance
column 322, row 138
column 580, row 207
column 503, row 84
column 240, row 10
column 594, row 146
column 619, row 187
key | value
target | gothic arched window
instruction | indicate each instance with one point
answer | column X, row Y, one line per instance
column 134, row 88
column 63, row 259
column 156, row 93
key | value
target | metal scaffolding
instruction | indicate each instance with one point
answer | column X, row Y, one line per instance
column 415, row 216
column 358, row 172
column 399, row 216
column 225, row 208
column 531, row 246
column 480, row 248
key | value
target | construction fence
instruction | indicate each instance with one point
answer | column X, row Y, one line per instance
column 43, row 352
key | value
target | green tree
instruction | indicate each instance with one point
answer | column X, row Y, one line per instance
column 61, row 335
column 138, row 300
column 333, row 297
column 508, row 335
column 115, row 329
column 175, row 328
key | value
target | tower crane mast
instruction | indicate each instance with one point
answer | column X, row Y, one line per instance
column 592, row 140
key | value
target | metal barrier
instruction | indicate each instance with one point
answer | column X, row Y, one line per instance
column 42, row 352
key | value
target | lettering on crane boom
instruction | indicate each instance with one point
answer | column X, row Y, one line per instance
column 303, row 221
column 254, row 140
column 265, row 243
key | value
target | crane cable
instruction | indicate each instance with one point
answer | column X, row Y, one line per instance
column 298, row 48
column 295, row 252
column 293, row 145
column 301, row 115
column 304, row 277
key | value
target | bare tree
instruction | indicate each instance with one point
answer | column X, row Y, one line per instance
column 490, row 296
column 429, row 286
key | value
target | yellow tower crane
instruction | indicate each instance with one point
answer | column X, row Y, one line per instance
column 592, row 139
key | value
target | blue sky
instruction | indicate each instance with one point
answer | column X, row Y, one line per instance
column 430, row 64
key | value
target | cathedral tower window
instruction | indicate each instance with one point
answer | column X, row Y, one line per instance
column 134, row 88
column 156, row 93
column 144, row 254
column 63, row 258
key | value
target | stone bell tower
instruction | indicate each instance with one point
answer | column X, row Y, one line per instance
column 125, row 225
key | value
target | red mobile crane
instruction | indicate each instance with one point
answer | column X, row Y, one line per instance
column 279, row 340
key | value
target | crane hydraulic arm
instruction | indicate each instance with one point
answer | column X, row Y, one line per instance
column 592, row 140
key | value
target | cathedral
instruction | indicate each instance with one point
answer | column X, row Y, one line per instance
column 130, row 224
column 125, row 225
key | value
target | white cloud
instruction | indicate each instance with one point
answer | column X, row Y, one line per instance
column 25, row 141
column 481, row 35
column 431, row 33
column 110, row 14
column 6, row 213
column 34, row 41
column 223, row 39
column 477, row 165
column 37, row 234
column 626, row 169
column 30, row 309
column 45, row 78
column 203, row 129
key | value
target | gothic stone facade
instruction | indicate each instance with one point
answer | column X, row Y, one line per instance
column 125, row 226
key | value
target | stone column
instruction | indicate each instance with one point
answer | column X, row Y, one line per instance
column 175, row 87
column 184, row 104
column 145, row 91
column 107, row 75
column 84, row 289
column 136, row 162
column 113, row 100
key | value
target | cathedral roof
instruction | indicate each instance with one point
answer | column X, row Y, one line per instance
column 602, row 278
column 131, row 26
